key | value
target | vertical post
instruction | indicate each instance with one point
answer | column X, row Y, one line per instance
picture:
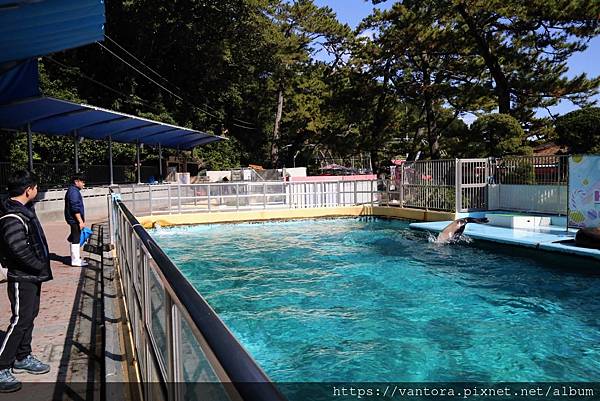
column 150, row 198
column 237, row 197
column 110, row 160
column 487, row 184
column 30, row 146
column 458, row 185
column 387, row 192
column 110, row 219
column 160, row 172
column 208, row 197
column 179, row 197
column 139, row 167
column 401, row 185
column 568, row 191
column 133, row 199
column 76, row 139
column 264, row 196
column 169, row 197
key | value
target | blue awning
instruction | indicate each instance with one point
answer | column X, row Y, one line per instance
column 51, row 116
column 31, row 28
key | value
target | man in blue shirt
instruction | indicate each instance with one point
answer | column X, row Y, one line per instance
column 75, row 217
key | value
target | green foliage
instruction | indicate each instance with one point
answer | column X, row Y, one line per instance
column 516, row 51
column 497, row 135
column 222, row 155
column 521, row 172
column 395, row 86
column 580, row 130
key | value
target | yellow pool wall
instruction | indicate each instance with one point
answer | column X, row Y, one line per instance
column 166, row 220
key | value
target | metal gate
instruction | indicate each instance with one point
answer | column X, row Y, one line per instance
column 473, row 176
column 428, row 184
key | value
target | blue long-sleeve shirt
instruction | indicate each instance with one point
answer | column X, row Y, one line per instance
column 73, row 205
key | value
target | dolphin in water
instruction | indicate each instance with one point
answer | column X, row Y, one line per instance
column 454, row 230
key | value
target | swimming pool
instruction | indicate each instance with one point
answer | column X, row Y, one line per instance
column 371, row 300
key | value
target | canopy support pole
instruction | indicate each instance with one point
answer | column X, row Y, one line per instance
column 30, row 146
column 139, row 167
column 160, row 174
column 110, row 160
column 76, row 138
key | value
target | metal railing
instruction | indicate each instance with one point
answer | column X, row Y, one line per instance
column 524, row 183
column 184, row 351
column 530, row 170
column 426, row 184
column 237, row 196
column 529, row 183
column 54, row 175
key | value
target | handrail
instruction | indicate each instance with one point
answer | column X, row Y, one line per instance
column 239, row 366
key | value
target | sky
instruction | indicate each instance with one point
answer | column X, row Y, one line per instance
column 353, row 11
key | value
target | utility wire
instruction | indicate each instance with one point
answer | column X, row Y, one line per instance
column 140, row 72
column 140, row 61
column 153, row 81
column 73, row 70
column 165, row 80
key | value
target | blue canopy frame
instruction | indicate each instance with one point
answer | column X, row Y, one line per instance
column 52, row 116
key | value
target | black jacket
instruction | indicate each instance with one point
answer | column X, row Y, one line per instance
column 24, row 252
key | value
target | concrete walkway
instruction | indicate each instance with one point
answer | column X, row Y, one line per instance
column 68, row 329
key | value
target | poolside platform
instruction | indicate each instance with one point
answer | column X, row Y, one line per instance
column 75, row 328
column 548, row 238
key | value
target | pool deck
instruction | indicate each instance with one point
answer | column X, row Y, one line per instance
column 68, row 330
column 548, row 238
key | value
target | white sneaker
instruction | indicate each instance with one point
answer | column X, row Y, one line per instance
column 76, row 256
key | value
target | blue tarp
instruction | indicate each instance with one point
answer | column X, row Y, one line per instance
column 21, row 81
column 31, row 28
column 51, row 116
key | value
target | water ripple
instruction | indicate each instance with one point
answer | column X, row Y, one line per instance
column 371, row 300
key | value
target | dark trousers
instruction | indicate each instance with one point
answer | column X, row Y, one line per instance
column 75, row 235
column 25, row 305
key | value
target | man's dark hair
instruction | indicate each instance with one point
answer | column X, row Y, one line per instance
column 20, row 180
column 76, row 177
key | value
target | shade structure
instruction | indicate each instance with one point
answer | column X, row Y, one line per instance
column 31, row 28
column 52, row 116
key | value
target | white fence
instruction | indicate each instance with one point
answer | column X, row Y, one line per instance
column 528, row 183
column 193, row 198
column 528, row 198
column 532, row 184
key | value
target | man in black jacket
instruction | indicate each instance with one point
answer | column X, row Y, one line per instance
column 24, row 252
column 75, row 217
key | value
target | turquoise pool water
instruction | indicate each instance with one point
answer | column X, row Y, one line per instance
column 371, row 300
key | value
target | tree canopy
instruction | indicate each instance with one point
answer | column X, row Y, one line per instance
column 283, row 78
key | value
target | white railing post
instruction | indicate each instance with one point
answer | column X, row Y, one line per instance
column 458, row 185
column 208, row 200
column 264, row 196
column 150, row 198
column 133, row 199
column 179, row 197
column 169, row 196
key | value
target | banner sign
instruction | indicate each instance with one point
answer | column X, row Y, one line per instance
column 584, row 191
